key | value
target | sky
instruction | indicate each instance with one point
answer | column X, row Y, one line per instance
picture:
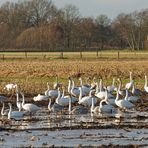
column 94, row 8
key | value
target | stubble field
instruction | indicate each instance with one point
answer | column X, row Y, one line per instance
column 46, row 129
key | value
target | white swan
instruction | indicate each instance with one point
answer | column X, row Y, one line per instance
column 10, row 86
column 3, row 111
column 133, row 99
column 136, row 91
column 124, row 103
column 51, row 93
column 29, row 107
column 55, row 107
column 56, row 85
column 131, row 83
column 122, row 92
column 93, row 84
column 14, row 114
column 145, row 86
column 74, row 99
column 77, row 109
column 86, row 101
column 64, row 100
column 40, row 97
column 103, row 108
column 85, row 88
column 100, row 91
column 111, row 88
column 18, row 102
column 75, row 91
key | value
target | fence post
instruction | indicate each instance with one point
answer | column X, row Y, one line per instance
column 26, row 54
column 3, row 57
column 118, row 55
column 80, row 54
column 100, row 54
column 61, row 55
column 97, row 52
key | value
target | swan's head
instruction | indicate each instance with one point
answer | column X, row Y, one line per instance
column 9, row 104
column 80, row 78
column 119, row 79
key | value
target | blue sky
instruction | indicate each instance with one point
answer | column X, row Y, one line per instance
column 94, row 8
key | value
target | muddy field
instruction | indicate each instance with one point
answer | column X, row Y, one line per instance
column 45, row 129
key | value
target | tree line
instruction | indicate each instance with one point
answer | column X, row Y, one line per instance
column 40, row 25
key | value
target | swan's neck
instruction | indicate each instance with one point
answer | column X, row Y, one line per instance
column 101, row 103
column 73, row 84
column 58, row 98
column 49, row 105
column 9, row 113
column 126, row 96
column 81, row 82
column 63, row 94
column 90, row 93
column 106, row 96
column 57, row 79
column 80, row 96
column 145, row 81
column 69, row 86
column 23, row 102
column 131, row 77
column 48, row 87
column 101, row 85
column 133, row 89
column 16, row 88
column 97, row 88
column 117, row 96
column 92, row 105
column 113, row 83
column 2, row 110
column 69, row 109
column 120, row 85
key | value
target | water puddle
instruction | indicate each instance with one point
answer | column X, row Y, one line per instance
column 47, row 129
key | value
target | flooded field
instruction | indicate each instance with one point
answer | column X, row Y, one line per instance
column 46, row 129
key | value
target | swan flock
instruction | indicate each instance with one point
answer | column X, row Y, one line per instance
column 93, row 97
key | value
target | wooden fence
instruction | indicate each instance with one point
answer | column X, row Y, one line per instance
column 74, row 55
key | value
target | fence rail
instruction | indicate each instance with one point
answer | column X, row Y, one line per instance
column 74, row 55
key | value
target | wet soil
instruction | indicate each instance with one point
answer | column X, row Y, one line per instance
column 45, row 129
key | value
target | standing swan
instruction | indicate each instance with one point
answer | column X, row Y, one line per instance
column 85, row 88
column 111, row 88
column 3, row 111
column 14, row 114
column 76, row 109
column 29, row 107
column 103, row 108
column 86, row 101
column 51, row 93
column 10, row 86
column 64, row 100
column 131, row 83
column 57, row 84
column 124, row 103
column 40, row 97
column 18, row 102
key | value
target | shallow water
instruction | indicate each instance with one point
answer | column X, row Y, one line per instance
column 46, row 129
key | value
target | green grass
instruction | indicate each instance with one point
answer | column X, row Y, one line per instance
column 102, row 55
